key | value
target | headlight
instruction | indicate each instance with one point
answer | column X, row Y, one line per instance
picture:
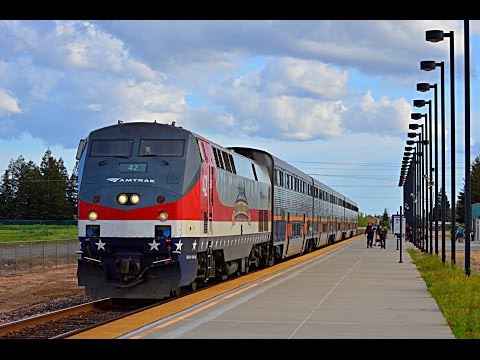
column 162, row 215
column 92, row 215
column 122, row 199
column 135, row 198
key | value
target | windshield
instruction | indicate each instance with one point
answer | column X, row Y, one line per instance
column 120, row 148
column 162, row 147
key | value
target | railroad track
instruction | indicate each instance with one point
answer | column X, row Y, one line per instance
column 72, row 320
column 62, row 323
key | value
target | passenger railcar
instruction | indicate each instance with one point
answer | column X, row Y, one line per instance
column 161, row 208
column 307, row 214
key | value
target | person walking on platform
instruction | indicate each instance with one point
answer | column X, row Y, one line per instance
column 408, row 236
column 369, row 232
column 378, row 238
column 383, row 237
column 459, row 235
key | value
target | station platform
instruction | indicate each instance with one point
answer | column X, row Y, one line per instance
column 352, row 292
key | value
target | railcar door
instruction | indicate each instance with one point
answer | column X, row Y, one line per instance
column 206, row 196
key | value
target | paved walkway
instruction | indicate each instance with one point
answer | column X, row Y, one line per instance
column 350, row 293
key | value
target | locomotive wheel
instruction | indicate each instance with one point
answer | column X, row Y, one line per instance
column 193, row 286
column 247, row 266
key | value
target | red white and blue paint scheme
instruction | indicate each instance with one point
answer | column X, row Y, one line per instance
column 161, row 208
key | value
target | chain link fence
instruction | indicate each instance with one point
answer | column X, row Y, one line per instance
column 38, row 222
column 27, row 256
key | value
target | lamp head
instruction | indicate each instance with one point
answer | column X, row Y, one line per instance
column 427, row 65
column 416, row 116
column 434, row 35
column 412, row 134
column 413, row 127
column 410, row 142
column 423, row 87
column 419, row 103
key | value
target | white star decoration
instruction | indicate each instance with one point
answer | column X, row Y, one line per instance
column 100, row 244
column 194, row 245
column 153, row 245
column 179, row 247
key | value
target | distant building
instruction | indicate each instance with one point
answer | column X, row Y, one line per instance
column 373, row 220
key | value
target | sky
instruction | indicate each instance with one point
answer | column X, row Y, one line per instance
column 331, row 97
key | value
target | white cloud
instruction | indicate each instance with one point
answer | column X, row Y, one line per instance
column 93, row 107
column 8, row 104
column 301, row 119
column 309, row 78
column 383, row 116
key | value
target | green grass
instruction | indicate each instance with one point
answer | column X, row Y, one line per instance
column 457, row 295
column 10, row 233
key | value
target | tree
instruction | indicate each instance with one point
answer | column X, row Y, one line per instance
column 474, row 190
column 72, row 191
column 460, row 208
column 7, row 193
column 385, row 219
column 448, row 215
column 28, row 191
column 55, row 178
column 28, row 198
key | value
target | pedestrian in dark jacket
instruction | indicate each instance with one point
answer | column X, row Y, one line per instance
column 383, row 236
column 370, row 233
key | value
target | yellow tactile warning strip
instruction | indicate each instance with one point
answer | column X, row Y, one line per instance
column 122, row 326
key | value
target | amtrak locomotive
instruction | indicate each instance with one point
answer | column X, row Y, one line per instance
column 161, row 208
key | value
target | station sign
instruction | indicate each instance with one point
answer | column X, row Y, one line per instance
column 396, row 224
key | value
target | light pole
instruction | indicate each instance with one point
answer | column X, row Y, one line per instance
column 412, row 189
column 421, row 103
column 468, row 206
column 416, row 182
column 423, row 240
column 428, row 66
column 425, row 178
column 423, row 87
column 405, row 181
column 436, row 36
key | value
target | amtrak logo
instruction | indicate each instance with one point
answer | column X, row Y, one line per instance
column 121, row 180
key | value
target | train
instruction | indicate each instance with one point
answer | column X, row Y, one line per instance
column 162, row 209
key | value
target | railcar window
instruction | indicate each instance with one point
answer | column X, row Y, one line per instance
column 215, row 155
column 254, row 172
column 218, row 158
column 202, row 150
column 111, row 148
column 226, row 161
column 170, row 147
column 232, row 163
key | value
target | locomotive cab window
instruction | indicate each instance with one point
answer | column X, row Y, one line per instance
column 170, row 147
column 111, row 148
